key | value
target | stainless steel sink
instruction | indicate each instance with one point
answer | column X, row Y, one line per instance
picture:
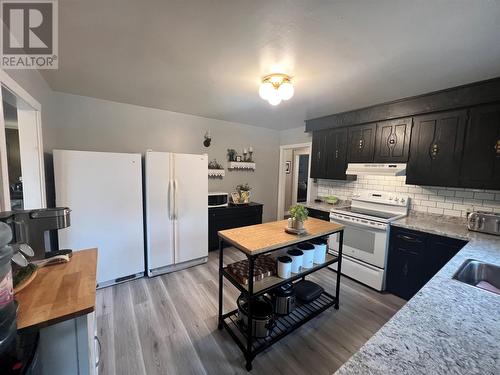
column 479, row 274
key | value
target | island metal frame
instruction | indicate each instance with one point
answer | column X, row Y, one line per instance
column 250, row 345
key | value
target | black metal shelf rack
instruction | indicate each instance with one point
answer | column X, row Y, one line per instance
column 242, row 335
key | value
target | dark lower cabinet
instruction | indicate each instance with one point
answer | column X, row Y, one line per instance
column 220, row 218
column 481, row 158
column 319, row 214
column 436, row 149
column 414, row 258
column 442, row 250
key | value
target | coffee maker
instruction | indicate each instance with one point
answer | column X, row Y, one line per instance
column 37, row 227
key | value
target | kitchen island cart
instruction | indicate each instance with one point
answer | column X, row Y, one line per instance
column 271, row 238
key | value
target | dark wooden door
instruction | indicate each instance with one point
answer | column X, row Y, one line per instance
column 439, row 251
column 336, row 154
column 361, row 143
column 406, row 263
column 481, row 157
column 436, row 149
column 392, row 141
column 318, row 154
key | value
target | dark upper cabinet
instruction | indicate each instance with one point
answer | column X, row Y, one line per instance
column 392, row 141
column 336, row 154
column 329, row 154
column 361, row 143
column 481, row 157
column 436, row 149
column 318, row 154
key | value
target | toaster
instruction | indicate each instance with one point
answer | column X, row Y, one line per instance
column 485, row 222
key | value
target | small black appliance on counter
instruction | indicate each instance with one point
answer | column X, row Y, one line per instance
column 35, row 227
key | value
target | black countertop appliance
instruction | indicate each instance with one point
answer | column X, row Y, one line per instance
column 38, row 227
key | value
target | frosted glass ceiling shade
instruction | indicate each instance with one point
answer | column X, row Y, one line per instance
column 276, row 88
column 266, row 89
column 274, row 98
column 286, row 90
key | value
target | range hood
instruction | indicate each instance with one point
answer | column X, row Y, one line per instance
column 361, row 169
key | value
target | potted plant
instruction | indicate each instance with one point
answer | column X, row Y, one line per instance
column 243, row 193
column 214, row 164
column 298, row 214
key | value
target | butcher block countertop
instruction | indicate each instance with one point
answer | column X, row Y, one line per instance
column 261, row 238
column 59, row 292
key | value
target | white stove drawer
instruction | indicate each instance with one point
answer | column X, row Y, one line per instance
column 364, row 273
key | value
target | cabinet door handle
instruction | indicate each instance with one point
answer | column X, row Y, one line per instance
column 405, row 269
column 497, row 148
column 361, row 144
column 98, row 359
column 408, row 238
column 433, row 151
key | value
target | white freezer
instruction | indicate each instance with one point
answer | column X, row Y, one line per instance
column 176, row 211
column 104, row 192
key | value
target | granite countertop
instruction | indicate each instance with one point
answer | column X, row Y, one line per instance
column 448, row 327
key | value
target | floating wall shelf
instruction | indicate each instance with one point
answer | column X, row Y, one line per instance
column 216, row 173
column 243, row 165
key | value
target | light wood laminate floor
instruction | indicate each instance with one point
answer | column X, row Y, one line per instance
column 168, row 325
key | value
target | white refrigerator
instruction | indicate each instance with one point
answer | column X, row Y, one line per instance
column 176, row 211
column 104, row 192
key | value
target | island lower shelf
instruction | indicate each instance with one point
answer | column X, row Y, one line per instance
column 270, row 282
column 283, row 324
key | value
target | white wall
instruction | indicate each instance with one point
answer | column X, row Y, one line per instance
column 294, row 136
column 431, row 199
column 83, row 123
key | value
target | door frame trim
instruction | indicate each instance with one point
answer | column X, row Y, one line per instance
column 281, row 176
column 10, row 84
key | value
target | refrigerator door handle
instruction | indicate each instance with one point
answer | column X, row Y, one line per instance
column 176, row 208
column 169, row 202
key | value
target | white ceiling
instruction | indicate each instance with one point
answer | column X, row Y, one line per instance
column 205, row 57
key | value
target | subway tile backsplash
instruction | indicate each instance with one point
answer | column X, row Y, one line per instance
column 436, row 200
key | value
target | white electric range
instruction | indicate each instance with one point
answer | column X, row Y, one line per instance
column 366, row 234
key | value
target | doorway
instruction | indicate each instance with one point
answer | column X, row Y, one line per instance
column 21, row 149
column 294, row 182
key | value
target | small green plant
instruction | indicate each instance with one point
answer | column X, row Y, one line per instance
column 299, row 212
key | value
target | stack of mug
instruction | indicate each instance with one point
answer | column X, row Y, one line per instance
column 303, row 256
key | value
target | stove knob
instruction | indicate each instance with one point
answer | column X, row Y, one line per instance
column 390, row 198
column 403, row 201
column 396, row 199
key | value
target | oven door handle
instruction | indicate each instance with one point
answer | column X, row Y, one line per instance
column 361, row 226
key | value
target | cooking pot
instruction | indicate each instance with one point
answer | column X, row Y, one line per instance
column 262, row 312
column 283, row 299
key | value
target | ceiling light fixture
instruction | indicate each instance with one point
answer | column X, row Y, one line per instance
column 275, row 88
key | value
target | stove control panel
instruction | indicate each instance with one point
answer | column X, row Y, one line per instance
column 334, row 216
column 382, row 197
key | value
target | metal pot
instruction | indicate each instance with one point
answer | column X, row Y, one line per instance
column 262, row 312
column 284, row 299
